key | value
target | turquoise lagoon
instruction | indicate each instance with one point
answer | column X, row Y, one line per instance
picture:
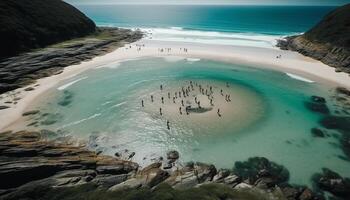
column 267, row 117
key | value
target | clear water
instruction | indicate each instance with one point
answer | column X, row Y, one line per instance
column 106, row 103
column 226, row 25
column 280, row 20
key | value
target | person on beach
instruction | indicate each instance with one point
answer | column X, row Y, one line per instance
column 174, row 99
column 195, row 100
column 162, row 100
column 229, row 97
column 179, row 94
column 142, row 103
column 211, row 102
column 180, row 110
column 219, row 112
column 221, row 92
column 160, row 111
column 199, row 104
column 168, row 124
column 182, row 102
column 161, row 87
column 152, row 98
column 168, row 95
column 175, row 94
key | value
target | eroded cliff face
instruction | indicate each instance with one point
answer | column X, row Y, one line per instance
column 328, row 41
column 334, row 56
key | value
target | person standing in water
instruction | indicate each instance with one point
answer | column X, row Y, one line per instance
column 168, row 95
column 161, row 87
column 168, row 124
column 152, row 98
column 142, row 103
column 160, row 111
column 219, row 112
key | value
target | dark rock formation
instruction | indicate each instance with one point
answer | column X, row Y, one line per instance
column 332, row 182
column 19, row 71
column 29, row 24
column 341, row 123
column 328, row 41
column 316, row 132
column 261, row 171
column 317, row 104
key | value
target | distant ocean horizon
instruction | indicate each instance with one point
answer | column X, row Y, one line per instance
column 214, row 24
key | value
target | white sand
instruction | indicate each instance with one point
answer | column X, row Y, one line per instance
column 291, row 62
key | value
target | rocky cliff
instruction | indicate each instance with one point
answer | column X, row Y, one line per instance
column 328, row 41
column 29, row 24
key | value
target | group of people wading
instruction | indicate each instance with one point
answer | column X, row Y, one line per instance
column 186, row 92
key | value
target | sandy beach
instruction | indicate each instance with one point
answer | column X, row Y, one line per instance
column 296, row 65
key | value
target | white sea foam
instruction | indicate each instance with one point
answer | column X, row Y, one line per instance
column 173, row 58
column 176, row 28
column 193, row 59
column 65, row 86
column 82, row 120
column 213, row 37
column 113, row 65
column 118, row 105
column 299, row 78
column 105, row 103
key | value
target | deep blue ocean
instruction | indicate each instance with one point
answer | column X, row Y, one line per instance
column 271, row 20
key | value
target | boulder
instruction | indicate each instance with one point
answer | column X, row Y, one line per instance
column 318, row 99
column 173, row 155
column 332, row 182
column 260, row 168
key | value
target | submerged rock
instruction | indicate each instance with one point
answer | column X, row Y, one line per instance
column 344, row 91
column 316, row 132
column 336, row 122
column 66, row 99
column 32, row 112
column 332, row 182
column 317, row 107
column 318, row 99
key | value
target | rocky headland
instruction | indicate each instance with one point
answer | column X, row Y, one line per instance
column 33, row 167
column 328, row 41
column 39, row 38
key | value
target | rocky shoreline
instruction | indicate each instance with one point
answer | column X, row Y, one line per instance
column 24, row 69
column 34, row 166
column 337, row 57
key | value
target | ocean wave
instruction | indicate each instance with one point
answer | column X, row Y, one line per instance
column 193, row 59
column 65, row 86
column 300, row 78
column 176, row 28
column 118, row 105
column 82, row 120
column 212, row 37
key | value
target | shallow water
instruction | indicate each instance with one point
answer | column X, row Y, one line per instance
column 267, row 116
